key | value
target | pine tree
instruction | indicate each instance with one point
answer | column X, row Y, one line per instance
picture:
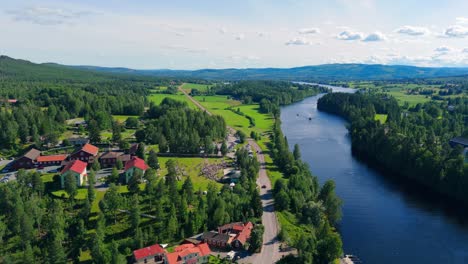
column 153, row 160
column 116, row 132
column 119, row 165
column 224, row 149
column 135, row 217
column 141, row 151
column 71, row 186
column 94, row 131
column 91, row 190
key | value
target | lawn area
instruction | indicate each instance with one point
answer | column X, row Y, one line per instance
column 191, row 167
column 381, row 117
column 218, row 104
column 200, row 87
column 158, row 97
column 81, row 194
column 412, row 99
column 127, row 133
column 263, row 122
column 123, row 118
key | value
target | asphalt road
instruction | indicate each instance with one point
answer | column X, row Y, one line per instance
column 270, row 249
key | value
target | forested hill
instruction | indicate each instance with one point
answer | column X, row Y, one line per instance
column 17, row 69
column 319, row 73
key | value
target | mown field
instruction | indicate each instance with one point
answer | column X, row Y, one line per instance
column 158, row 97
column 200, row 87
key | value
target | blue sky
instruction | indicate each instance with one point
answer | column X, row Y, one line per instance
column 182, row 34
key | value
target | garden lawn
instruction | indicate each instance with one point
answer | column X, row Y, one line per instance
column 382, row 118
column 200, row 87
column 157, row 98
column 123, row 118
column 218, row 105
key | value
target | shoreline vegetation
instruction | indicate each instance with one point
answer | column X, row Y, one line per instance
column 411, row 144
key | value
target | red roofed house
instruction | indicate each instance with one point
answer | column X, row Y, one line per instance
column 76, row 168
column 239, row 231
column 51, row 160
column 27, row 161
column 133, row 165
column 87, row 153
column 151, row 254
column 189, row 254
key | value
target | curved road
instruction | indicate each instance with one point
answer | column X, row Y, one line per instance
column 270, row 249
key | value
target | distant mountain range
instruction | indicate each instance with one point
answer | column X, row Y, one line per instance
column 319, row 73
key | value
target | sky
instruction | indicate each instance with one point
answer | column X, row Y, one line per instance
column 195, row 34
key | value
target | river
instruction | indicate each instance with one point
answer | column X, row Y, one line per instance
column 383, row 221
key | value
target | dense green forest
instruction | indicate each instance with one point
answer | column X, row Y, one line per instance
column 47, row 95
column 413, row 144
column 178, row 129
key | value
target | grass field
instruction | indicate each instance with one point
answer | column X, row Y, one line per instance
column 127, row 133
column 218, row 105
column 122, row 118
column 191, row 167
column 157, row 98
column 381, row 117
column 200, row 87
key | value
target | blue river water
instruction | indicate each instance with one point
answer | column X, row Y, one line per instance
column 383, row 221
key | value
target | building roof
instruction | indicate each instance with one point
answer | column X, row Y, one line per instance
column 51, row 158
column 148, row 251
column 32, row 154
column 172, row 258
column 216, row 236
column 136, row 162
column 460, row 140
column 124, row 157
column 111, row 155
column 244, row 235
column 187, row 249
column 91, row 149
column 204, row 249
column 77, row 166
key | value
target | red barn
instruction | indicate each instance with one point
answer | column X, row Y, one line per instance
column 27, row 161
column 87, row 153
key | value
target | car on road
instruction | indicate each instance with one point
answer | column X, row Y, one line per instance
column 263, row 186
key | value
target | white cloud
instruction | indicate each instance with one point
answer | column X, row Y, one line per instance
column 376, row 36
column 413, row 31
column 456, row 31
column 443, row 49
column 465, row 50
column 309, row 31
column 462, row 20
column 298, row 41
column 47, row 16
column 350, row 35
column 240, row 36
